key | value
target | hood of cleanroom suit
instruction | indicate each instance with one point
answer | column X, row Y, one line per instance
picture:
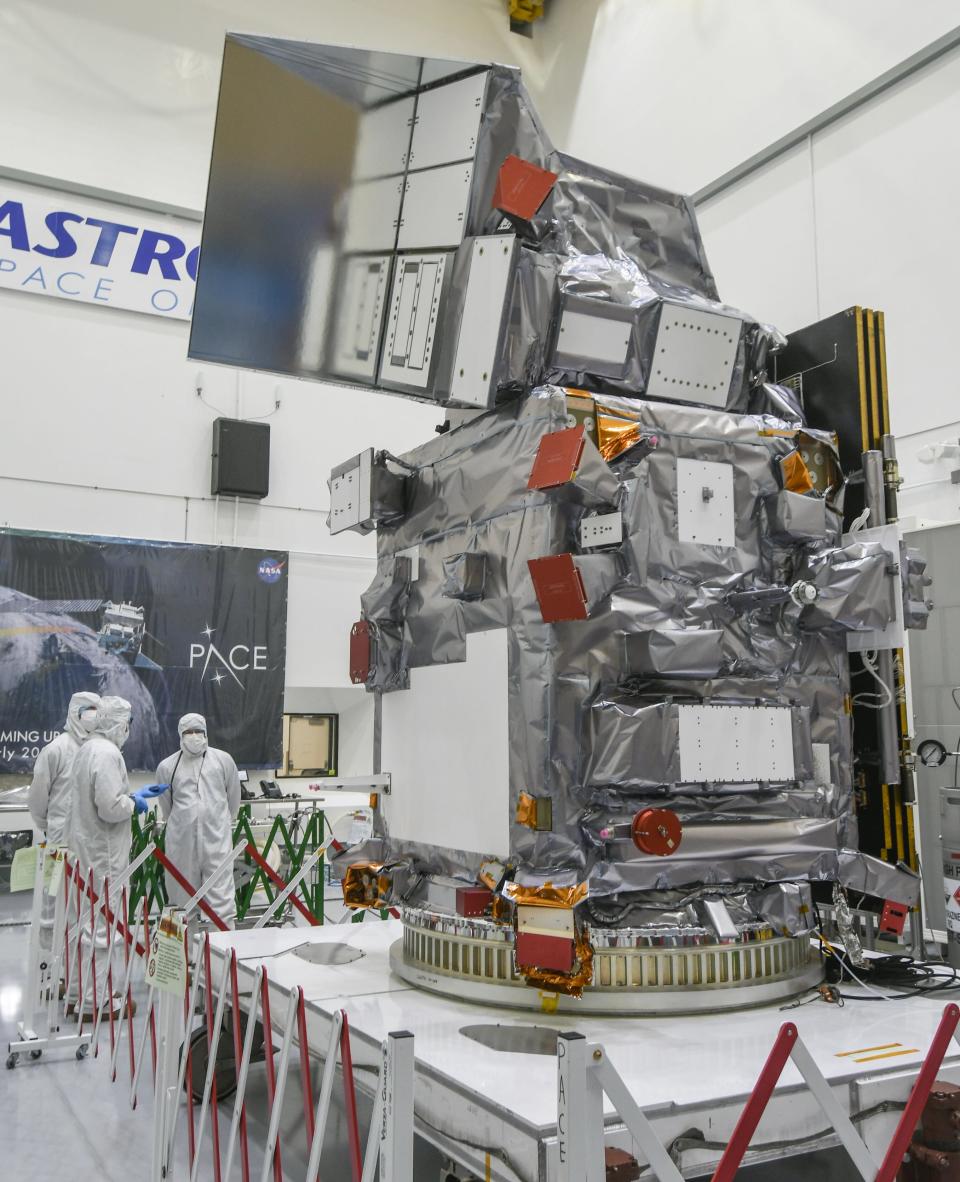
column 78, row 703
column 189, row 743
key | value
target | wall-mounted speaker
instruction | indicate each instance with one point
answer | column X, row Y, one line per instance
column 241, row 459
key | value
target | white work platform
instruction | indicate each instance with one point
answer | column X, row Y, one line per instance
column 494, row 1112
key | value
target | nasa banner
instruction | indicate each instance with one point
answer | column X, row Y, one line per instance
column 173, row 628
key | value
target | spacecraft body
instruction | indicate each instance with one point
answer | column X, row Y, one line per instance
column 609, row 627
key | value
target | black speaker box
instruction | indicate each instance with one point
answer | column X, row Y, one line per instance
column 241, row 459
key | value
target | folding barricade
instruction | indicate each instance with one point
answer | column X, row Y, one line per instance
column 585, row 1075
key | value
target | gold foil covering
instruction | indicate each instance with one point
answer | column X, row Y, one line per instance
column 364, row 886
column 546, row 896
column 501, row 909
column 615, row 435
column 527, row 810
column 796, row 475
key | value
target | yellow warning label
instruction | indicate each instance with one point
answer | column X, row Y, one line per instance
column 887, row 1046
column 887, row 1055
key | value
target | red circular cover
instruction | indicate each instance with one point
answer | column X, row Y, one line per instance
column 657, row 831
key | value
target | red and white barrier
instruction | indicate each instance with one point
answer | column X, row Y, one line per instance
column 168, row 1027
column 584, row 1075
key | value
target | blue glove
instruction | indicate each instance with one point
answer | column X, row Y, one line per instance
column 153, row 790
column 139, row 803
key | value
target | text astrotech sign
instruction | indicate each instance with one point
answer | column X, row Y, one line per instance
column 78, row 248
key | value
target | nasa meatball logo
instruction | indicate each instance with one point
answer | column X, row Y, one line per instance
column 270, row 570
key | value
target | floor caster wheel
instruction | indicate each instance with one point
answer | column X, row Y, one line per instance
column 82, row 1051
column 11, row 1062
column 35, row 1055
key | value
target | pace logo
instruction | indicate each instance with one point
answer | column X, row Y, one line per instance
column 218, row 665
column 270, row 570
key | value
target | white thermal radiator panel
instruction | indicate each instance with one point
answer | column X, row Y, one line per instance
column 360, row 316
column 490, row 260
column 705, row 503
column 383, row 140
column 448, row 119
column 694, row 355
column 373, row 211
column 736, row 744
column 350, row 492
column 444, row 742
column 597, row 341
column 412, row 327
column 435, row 207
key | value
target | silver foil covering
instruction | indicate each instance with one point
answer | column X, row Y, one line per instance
column 595, row 703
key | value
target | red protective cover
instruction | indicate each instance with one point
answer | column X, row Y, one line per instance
column 559, row 588
column 522, row 187
column 360, row 652
column 657, row 832
column 545, row 952
column 473, row 900
column 892, row 918
column 558, row 457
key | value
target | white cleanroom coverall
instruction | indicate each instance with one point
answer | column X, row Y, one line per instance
column 200, row 810
column 100, row 834
column 50, row 790
column 50, row 797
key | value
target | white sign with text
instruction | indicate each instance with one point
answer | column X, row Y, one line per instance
column 77, row 248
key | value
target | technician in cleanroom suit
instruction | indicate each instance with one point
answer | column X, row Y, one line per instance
column 200, row 810
column 100, row 833
column 50, row 797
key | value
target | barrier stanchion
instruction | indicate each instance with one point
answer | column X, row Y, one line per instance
column 283, row 1061
column 212, row 1040
column 214, row 1026
column 185, row 1076
column 271, row 1071
column 130, row 959
column 79, row 958
column 918, row 1094
column 326, row 1094
column 67, row 893
column 350, row 1101
column 165, row 1085
column 306, row 1081
column 754, row 1108
column 151, row 1022
column 237, row 1057
column 239, row 1123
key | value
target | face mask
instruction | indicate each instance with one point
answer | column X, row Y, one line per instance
column 88, row 720
column 125, row 734
column 194, row 744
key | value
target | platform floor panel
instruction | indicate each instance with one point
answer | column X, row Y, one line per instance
column 685, row 1071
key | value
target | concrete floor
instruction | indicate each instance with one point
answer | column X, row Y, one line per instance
column 63, row 1117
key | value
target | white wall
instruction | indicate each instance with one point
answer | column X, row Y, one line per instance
column 677, row 92
column 121, row 96
column 865, row 214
